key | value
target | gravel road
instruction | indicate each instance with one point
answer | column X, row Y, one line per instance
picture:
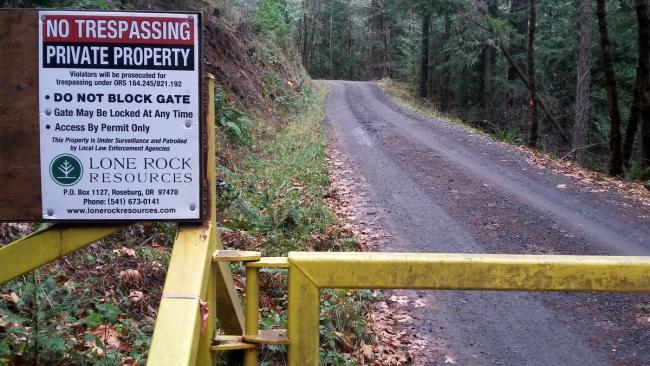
column 439, row 187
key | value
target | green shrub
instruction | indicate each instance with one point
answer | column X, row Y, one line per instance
column 637, row 172
column 45, row 323
column 234, row 123
column 278, row 90
column 270, row 20
column 341, row 320
column 509, row 135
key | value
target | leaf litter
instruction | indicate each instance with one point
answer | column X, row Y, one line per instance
column 593, row 181
column 390, row 320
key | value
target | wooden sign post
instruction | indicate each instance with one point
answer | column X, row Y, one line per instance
column 20, row 196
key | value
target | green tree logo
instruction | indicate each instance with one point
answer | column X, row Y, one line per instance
column 66, row 170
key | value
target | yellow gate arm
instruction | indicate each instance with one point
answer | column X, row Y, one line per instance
column 46, row 245
column 309, row 272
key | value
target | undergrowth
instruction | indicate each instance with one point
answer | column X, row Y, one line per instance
column 273, row 203
column 277, row 193
column 508, row 135
column 235, row 124
column 637, row 172
column 93, row 307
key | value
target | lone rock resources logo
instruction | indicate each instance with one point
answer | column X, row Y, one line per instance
column 66, row 170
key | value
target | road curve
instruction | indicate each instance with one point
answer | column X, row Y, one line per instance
column 442, row 188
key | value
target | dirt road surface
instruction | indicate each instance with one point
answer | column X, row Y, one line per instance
column 438, row 187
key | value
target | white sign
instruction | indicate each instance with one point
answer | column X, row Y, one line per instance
column 119, row 115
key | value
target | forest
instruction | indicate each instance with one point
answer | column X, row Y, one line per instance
column 569, row 77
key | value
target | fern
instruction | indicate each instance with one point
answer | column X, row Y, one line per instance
column 234, row 123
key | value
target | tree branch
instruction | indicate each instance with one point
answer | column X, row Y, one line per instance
column 538, row 100
column 521, row 76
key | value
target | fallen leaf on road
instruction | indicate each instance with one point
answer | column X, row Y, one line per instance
column 401, row 300
column 403, row 318
column 367, row 351
column 419, row 303
column 449, row 359
column 491, row 226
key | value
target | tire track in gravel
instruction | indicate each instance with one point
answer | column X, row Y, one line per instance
column 441, row 188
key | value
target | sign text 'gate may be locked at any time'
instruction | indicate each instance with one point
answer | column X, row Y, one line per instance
column 119, row 109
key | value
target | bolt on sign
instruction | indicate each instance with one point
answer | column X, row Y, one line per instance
column 119, row 115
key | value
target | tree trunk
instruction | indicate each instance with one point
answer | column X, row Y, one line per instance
column 377, row 40
column 532, row 87
column 351, row 73
column 445, row 97
column 334, row 69
column 310, row 41
column 486, row 54
column 524, row 79
column 387, row 56
column 488, row 61
column 583, row 81
column 616, row 158
column 518, row 21
column 424, row 56
column 305, row 35
column 633, row 119
column 645, row 129
column 641, row 98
